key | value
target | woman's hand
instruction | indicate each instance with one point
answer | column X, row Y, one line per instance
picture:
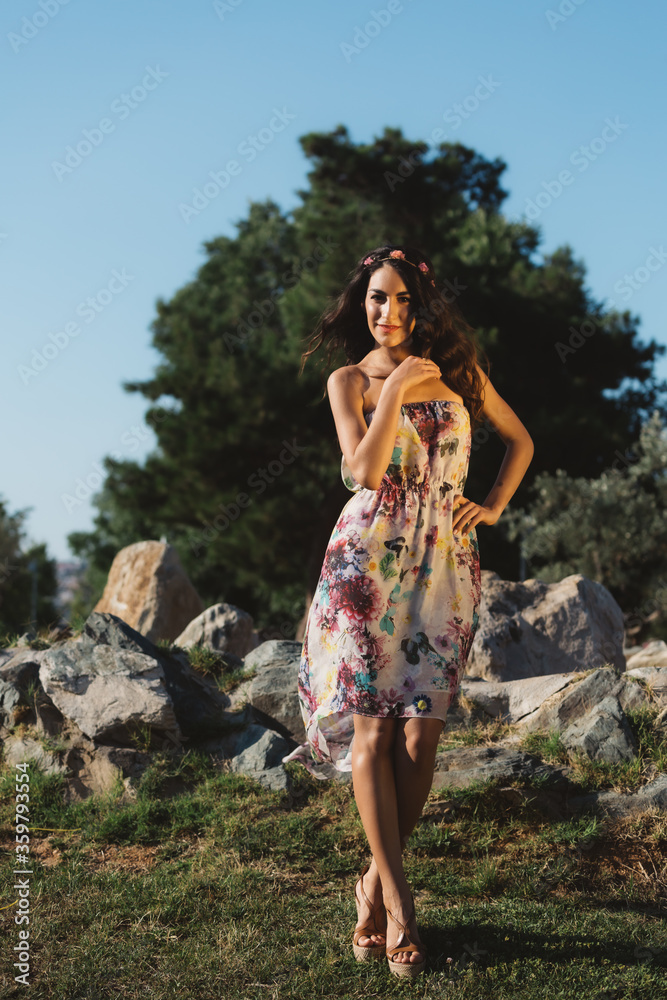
column 413, row 370
column 467, row 514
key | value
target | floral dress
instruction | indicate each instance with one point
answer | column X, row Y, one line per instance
column 395, row 609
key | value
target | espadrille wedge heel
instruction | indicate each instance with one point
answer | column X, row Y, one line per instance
column 376, row 924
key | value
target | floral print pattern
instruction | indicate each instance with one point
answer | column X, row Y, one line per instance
column 396, row 606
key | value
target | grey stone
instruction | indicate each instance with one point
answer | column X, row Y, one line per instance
column 654, row 679
column 617, row 805
column 460, row 767
column 258, row 753
column 574, row 701
column 534, row 628
column 19, row 749
column 196, row 699
column 511, row 701
column 653, row 654
column 273, row 692
column 602, row 734
column 109, row 693
column 222, row 627
column 17, row 673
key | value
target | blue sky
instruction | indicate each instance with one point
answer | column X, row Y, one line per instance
column 166, row 92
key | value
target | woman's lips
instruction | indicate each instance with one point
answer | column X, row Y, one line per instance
column 384, row 326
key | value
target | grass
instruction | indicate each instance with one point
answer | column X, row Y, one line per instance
column 217, row 888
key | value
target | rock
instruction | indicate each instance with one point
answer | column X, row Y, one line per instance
column 534, row 628
column 222, row 627
column 462, row 766
column 273, row 692
column 617, row 805
column 18, row 749
column 602, row 734
column 18, row 672
column 148, row 588
column 511, row 701
column 196, row 700
column 573, row 702
column 258, row 753
column 96, row 770
column 654, row 654
column 653, row 680
column 109, row 693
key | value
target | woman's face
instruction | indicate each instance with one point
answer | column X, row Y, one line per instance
column 387, row 306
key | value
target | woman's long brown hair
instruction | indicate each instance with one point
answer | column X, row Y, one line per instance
column 440, row 332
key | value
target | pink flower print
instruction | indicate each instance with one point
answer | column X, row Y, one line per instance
column 398, row 254
column 423, row 266
column 431, row 536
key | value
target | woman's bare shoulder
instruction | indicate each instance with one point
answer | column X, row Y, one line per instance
column 352, row 376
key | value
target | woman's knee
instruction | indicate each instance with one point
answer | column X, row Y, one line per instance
column 421, row 738
column 374, row 736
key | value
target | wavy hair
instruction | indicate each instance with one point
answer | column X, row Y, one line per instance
column 440, row 332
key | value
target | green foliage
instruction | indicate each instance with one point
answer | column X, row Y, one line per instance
column 245, row 480
column 612, row 528
column 17, row 580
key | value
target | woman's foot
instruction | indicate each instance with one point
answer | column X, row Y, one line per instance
column 405, row 950
column 371, row 915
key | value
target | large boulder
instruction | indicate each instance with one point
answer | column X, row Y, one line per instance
column 112, row 681
column 273, row 692
column 109, row 693
column 535, row 628
column 223, row 628
column 149, row 589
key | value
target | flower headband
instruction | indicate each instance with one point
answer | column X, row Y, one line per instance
column 399, row 255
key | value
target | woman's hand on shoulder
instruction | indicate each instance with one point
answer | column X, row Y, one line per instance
column 413, row 370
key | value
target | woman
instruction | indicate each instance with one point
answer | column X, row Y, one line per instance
column 395, row 610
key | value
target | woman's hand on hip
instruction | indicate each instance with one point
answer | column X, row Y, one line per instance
column 467, row 514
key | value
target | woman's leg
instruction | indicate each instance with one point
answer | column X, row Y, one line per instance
column 392, row 770
column 414, row 759
column 375, row 792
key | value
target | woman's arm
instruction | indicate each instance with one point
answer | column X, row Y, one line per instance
column 368, row 450
column 517, row 458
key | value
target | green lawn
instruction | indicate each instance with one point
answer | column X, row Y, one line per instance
column 225, row 890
